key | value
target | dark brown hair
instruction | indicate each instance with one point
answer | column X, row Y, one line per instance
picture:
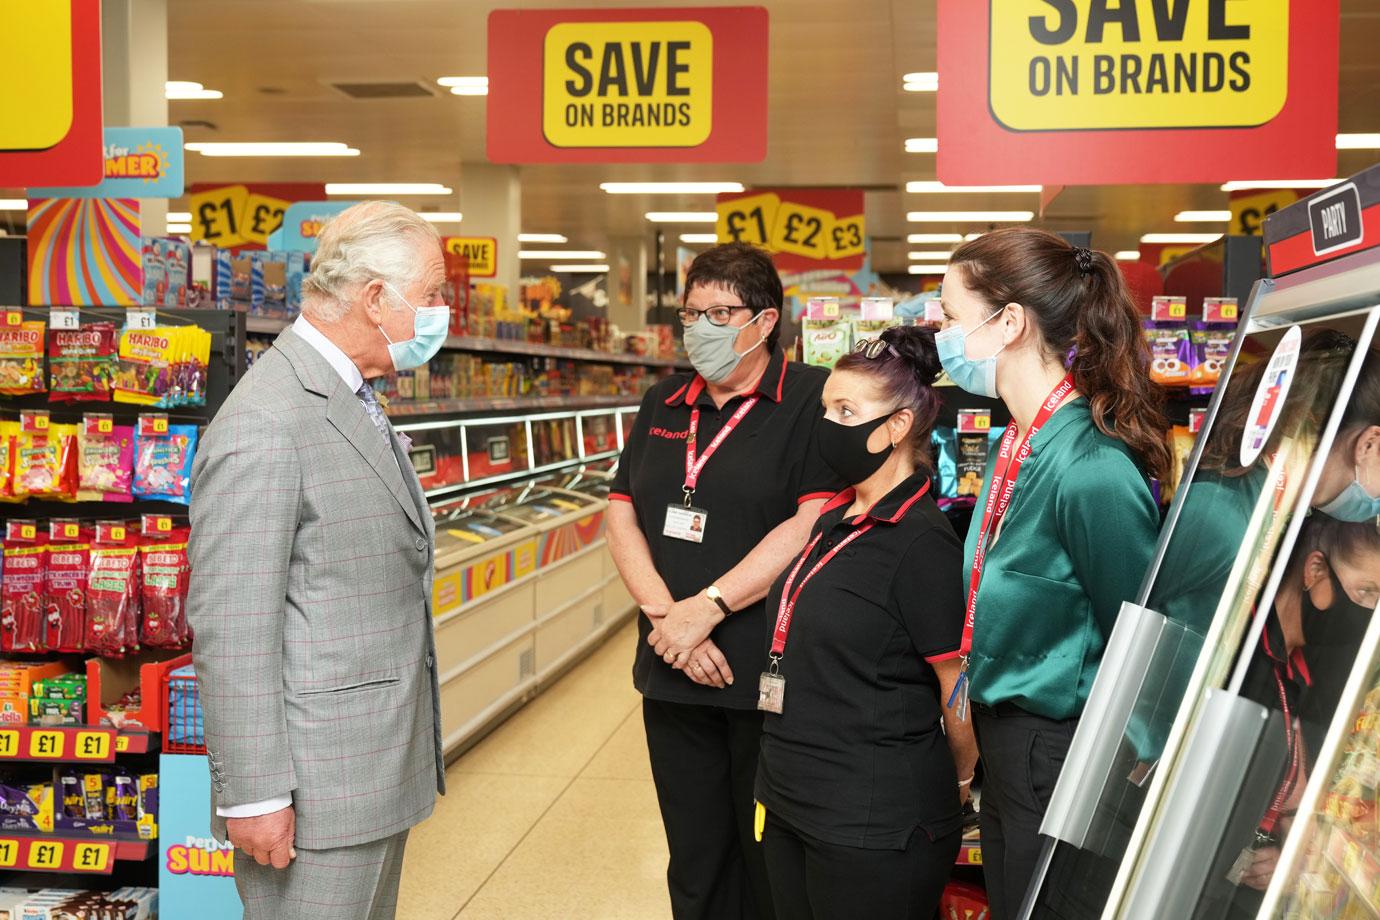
column 746, row 271
column 1082, row 307
column 907, row 378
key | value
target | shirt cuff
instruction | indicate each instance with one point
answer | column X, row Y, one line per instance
column 620, row 497
column 255, row 809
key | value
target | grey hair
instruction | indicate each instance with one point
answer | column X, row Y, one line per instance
column 373, row 239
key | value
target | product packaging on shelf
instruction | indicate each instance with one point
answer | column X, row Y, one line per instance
column 826, row 334
column 165, row 573
column 22, row 588
column 166, row 265
column 105, row 460
column 163, row 367
column 21, row 355
column 1171, row 349
column 1212, row 339
column 82, row 363
column 163, row 460
column 69, row 565
column 973, row 448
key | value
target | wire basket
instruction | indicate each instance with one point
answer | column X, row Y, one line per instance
column 185, row 731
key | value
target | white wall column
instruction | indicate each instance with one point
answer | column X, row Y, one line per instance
column 134, row 69
column 491, row 202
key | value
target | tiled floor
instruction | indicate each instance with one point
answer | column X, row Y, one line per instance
column 553, row 816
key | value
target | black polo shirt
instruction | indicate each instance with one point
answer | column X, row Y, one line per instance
column 858, row 756
column 757, row 478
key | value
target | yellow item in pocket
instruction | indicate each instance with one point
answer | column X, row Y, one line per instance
column 759, row 821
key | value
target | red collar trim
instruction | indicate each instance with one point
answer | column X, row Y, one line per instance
column 690, row 393
column 846, row 497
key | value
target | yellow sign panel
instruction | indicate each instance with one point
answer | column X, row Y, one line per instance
column 262, row 215
column 217, row 215
column 1248, row 212
column 482, row 251
column 36, row 46
column 46, row 855
column 1060, row 65
column 92, row 746
column 91, row 857
column 846, row 237
column 628, row 84
column 748, row 220
column 47, row 745
column 802, row 230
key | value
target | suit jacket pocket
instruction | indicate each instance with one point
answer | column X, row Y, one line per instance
column 361, row 687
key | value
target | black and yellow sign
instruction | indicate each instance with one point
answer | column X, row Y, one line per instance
column 809, row 225
column 481, row 251
column 1249, row 210
column 233, row 215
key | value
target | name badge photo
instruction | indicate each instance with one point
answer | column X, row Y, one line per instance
column 684, row 523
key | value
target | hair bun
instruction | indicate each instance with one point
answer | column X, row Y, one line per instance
column 916, row 346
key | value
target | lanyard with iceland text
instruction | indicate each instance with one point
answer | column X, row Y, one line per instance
column 685, row 521
column 1010, row 458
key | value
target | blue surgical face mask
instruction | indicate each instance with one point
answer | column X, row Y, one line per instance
column 1354, row 504
column 430, row 327
column 977, row 377
column 710, row 348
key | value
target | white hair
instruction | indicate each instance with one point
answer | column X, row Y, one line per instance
column 373, row 239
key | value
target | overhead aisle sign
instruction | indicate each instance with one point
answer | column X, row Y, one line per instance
column 619, row 86
column 804, row 229
column 1136, row 91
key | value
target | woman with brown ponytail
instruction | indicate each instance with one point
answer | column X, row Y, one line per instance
column 1066, row 524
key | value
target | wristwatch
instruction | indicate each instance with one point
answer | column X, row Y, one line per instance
column 712, row 592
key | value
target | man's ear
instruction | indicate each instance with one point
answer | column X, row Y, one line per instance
column 373, row 294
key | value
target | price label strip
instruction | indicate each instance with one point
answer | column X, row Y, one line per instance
column 95, row 857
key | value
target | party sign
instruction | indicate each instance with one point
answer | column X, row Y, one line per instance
column 139, row 163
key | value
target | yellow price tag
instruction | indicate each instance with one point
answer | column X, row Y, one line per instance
column 92, row 746
column 1178, row 309
column 38, row 109
column 41, row 421
column 122, row 744
column 46, row 855
column 748, row 220
column 160, row 426
column 117, row 534
column 9, row 743
column 28, row 531
column 846, row 239
column 105, row 426
column 91, row 857
column 218, row 216
column 47, row 745
column 802, row 230
column 13, row 318
column 262, row 216
column 9, row 853
column 1230, row 311
column 982, row 422
column 71, row 531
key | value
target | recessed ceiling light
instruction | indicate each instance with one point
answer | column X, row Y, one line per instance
column 1241, row 185
column 387, row 188
column 970, row 237
column 1172, row 238
column 682, row 217
column 14, row 204
column 699, row 237
column 179, row 217
column 929, row 254
column 441, row 217
column 186, row 89
column 987, row 217
column 923, row 82
column 272, row 149
column 557, row 254
column 466, row 86
column 935, row 238
column 582, row 269
column 928, row 269
column 670, row 188
column 922, row 145
column 179, row 228
column 929, row 187
column 541, row 238
column 1202, row 217
column 1128, row 255
column 1358, row 141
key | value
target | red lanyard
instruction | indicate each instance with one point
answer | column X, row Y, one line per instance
column 694, row 467
column 999, row 494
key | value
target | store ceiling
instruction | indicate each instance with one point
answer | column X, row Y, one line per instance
column 838, row 115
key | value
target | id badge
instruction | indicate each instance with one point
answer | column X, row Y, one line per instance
column 771, row 692
column 684, row 523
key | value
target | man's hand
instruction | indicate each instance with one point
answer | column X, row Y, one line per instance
column 708, row 666
column 687, row 624
column 267, row 839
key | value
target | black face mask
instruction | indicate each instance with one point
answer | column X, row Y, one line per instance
column 844, row 448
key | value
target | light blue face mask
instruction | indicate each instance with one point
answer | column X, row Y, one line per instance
column 710, row 348
column 430, row 327
column 1354, row 505
column 977, row 377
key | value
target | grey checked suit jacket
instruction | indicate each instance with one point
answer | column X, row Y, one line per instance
column 310, row 602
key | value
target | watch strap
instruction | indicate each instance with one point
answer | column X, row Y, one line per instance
column 713, row 594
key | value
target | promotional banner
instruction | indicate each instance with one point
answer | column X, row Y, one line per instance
column 51, row 95
column 139, row 163
column 1094, row 93
column 628, row 85
column 481, row 251
column 1250, row 207
column 84, row 252
column 196, row 875
column 804, row 229
column 234, row 215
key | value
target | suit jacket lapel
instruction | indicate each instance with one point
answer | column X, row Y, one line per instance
column 414, row 488
column 348, row 415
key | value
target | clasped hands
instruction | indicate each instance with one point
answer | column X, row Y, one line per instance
column 680, row 635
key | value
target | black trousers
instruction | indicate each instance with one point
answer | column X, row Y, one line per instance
column 814, row 880
column 704, row 763
column 1022, row 755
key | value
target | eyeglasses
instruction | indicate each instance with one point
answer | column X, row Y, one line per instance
column 872, row 349
column 718, row 315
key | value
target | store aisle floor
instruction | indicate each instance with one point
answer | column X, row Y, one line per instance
column 553, row 816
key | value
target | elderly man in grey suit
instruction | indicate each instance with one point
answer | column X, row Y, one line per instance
column 310, row 595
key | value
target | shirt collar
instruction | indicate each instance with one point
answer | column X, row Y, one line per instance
column 1075, row 412
column 331, row 352
column 893, row 506
column 771, row 384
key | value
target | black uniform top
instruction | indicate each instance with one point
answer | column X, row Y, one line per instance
column 757, row 478
column 858, row 756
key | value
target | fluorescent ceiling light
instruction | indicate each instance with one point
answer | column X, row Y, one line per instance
column 541, row 238
column 935, row 238
column 1171, row 238
column 179, row 228
column 585, row 268
column 14, row 204
column 1358, row 141
column 928, row 269
column 923, row 82
column 466, row 86
column 537, row 255
column 670, row 188
column 922, row 145
column 272, row 149
column 179, row 217
column 929, row 254
column 986, row 217
column 929, row 187
column 1240, row 185
column 699, row 237
column 1128, row 255
column 682, row 217
column 970, row 237
column 186, row 89
column 1202, row 217
column 441, row 217
column 387, row 188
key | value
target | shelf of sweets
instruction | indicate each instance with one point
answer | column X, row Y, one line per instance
column 71, row 743
column 1358, row 866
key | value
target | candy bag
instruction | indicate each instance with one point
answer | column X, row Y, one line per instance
column 166, row 572
column 163, row 465
column 21, row 597
column 21, row 358
column 112, row 596
column 46, row 463
column 106, row 463
column 144, row 375
column 9, row 433
column 82, row 363
column 67, row 574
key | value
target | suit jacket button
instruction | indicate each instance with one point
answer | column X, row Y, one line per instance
column 430, row 661
column 421, row 544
